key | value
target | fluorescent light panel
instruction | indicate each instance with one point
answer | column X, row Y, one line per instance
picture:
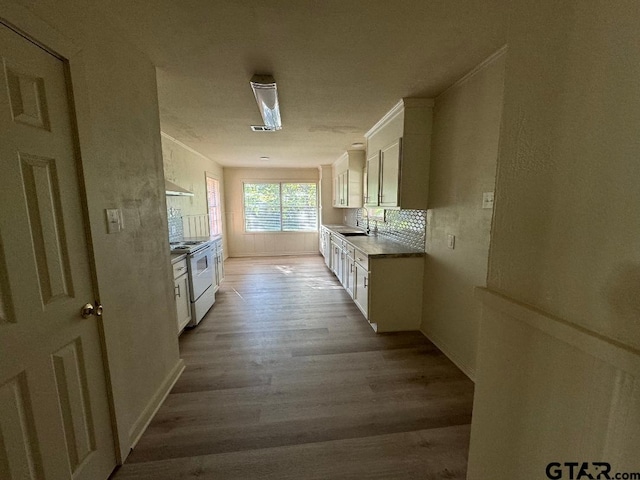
column 266, row 93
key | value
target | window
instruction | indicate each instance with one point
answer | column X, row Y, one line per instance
column 280, row 207
column 213, row 206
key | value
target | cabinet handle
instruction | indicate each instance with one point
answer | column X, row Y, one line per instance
column 177, row 287
column 365, row 282
column 351, row 267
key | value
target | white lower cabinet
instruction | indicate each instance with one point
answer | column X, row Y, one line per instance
column 361, row 289
column 387, row 288
column 336, row 260
column 350, row 275
column 218, row 260
column 181, row 293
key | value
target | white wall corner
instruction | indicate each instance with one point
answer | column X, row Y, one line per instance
column 450, row 353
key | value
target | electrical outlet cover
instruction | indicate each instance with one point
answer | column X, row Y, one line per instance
column 451, row 241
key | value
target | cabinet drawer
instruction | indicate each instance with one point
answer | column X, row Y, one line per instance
column 362, row 259
column 351, row 251
column 179, row 268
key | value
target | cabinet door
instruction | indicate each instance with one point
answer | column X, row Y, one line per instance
column 361, row 290
column 335, row 259
column 220, row 266
column 373, row 179
column 327, row 249
column 216, row 282
column 344, row 189
column 350, row 275
column 336, row 191
column 183, row 304
column 343, row 268
column 390, row 173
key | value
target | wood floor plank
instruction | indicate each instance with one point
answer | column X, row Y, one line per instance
column 285, row 379
column 421, row 454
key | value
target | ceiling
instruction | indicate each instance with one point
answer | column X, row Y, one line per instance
column 340, row 65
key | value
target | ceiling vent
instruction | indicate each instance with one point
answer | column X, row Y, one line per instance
column 263, row 128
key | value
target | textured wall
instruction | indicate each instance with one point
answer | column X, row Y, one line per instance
column 463, row 164
column 559, row 353
column 328, row 214
column 271, row 243
column 187, row 169
column 566, row 235
column 116, row 100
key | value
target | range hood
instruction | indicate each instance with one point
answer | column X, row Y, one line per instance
column 173, row 190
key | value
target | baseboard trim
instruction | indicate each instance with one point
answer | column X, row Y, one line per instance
column 143, row 421
column 448, row 351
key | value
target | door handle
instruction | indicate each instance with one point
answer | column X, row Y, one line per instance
column 177, row 287
column 88, row 310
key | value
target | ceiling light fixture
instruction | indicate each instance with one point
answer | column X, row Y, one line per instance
column 266, row 93
column 264, row 159
column 357, row 145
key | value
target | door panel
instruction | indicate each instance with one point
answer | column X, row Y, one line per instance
column 18, row 458
column 54, row 420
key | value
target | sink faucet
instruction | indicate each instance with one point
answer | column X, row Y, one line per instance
column 368, row 229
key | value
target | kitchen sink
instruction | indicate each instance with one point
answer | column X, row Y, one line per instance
column 353, row 234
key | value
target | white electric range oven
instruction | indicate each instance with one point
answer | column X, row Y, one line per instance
column 200, row 266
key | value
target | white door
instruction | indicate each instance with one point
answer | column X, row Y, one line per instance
column 54, row 411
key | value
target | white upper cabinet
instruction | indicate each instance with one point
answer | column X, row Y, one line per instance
column 398, row 156
column 347, row 179
column 390, row 174
column 372, row 175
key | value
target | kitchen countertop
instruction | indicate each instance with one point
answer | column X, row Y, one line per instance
column 176, row 257
column 375, row 246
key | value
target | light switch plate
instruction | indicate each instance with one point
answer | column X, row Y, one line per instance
column 487, row 200
column 114, row 220
column 451, row 241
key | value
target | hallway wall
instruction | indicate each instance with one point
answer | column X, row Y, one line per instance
column 464, row 151
column 559, row 361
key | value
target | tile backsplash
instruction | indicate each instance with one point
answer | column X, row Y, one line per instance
column 404, row 226
column 176, row 227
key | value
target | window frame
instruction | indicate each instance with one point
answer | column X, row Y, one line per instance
column 279, row 183
column 208, row 176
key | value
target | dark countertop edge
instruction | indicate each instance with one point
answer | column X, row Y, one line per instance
column 409, row 252
column 176, row 257
column 395, row 255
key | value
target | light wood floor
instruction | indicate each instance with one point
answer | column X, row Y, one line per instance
column 286, row 380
